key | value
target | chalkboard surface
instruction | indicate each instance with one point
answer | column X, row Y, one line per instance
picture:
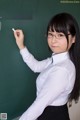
column 17, row 81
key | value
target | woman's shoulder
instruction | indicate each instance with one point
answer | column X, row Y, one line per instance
column 67, row 65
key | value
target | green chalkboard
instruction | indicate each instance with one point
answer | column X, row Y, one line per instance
column 17, row 81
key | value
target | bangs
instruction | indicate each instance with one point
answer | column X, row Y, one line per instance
column 62, row 23
column 58, row 26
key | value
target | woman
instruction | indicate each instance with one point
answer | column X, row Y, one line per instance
column 59, row 78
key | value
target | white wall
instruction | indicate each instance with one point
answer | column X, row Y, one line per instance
column 74, row 111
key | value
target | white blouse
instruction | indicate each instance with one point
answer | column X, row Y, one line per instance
column 54, row 83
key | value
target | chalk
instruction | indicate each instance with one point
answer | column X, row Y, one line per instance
column 13, row 29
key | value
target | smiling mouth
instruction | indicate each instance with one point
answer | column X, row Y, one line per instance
column 54, row 46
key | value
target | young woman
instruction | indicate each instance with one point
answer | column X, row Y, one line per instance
column 59, row 78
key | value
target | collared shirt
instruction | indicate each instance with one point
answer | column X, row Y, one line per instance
column 54, row 83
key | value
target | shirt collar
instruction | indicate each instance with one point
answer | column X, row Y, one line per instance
column 60, row 57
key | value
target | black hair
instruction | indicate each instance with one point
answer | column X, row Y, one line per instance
column 66, row 23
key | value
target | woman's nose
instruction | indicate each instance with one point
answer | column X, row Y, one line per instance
column 54, row 39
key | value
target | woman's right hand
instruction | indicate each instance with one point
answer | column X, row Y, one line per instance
column 19, row 36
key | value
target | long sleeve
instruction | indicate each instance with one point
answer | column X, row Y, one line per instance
column 33, row 64
column 54, row 86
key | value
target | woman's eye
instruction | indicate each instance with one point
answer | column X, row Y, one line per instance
column 60, row 35
column 50, row 35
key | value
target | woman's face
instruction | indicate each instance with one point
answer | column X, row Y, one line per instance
column 57, row 41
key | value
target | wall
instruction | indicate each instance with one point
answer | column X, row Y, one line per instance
column 74, row 111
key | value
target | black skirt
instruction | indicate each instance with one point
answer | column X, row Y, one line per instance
column 55, row 113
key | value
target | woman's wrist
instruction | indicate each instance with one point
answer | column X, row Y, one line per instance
column 21, row 47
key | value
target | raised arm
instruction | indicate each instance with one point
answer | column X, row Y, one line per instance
column 28, row 58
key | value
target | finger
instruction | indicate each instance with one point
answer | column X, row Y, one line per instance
column 16, row 34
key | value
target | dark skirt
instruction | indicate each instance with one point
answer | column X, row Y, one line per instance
column 55, row 113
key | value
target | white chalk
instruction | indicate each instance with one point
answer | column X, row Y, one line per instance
column 13, row 29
